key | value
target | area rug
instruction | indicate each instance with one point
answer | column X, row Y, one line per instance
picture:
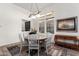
column 14, row 50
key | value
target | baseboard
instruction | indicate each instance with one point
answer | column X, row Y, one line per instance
column 11, row 44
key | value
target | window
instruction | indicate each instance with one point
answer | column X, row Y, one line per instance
column 25, row 25
column 46, row 26
column 50, row 26
column 41, row 27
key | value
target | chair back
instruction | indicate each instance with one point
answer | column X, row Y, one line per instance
column 33, row 40
column 32, row 36
column 21, row 37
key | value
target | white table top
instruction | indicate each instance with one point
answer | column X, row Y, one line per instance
column 39, row 36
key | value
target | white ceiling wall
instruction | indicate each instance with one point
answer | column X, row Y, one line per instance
column 43, row 7
column 27, row 6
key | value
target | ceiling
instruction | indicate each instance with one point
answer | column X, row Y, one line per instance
column 33, row 6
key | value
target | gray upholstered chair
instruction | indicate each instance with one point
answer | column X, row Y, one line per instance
column 33, row 43
column 50, row 41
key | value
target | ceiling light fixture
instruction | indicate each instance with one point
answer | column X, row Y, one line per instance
column 36, row 13
column 32, row 12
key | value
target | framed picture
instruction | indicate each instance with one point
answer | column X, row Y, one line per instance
column 67, row 24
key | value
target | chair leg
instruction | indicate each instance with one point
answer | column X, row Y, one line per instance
column 20, row 50
column 29, row 51
column 46, row 49
column 38, row 52
column 38, row 47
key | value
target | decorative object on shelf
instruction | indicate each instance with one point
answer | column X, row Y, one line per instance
column 67, row 24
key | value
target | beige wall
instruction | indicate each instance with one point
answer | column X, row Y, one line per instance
column 65, row 10
column 10, row 23
column 11, row 16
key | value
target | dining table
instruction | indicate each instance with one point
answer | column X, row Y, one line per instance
column 41, row 39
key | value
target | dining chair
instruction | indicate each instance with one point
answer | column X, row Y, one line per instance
column 43, row 45
column 23, row 43
column 49, row 41
column 33, row 43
